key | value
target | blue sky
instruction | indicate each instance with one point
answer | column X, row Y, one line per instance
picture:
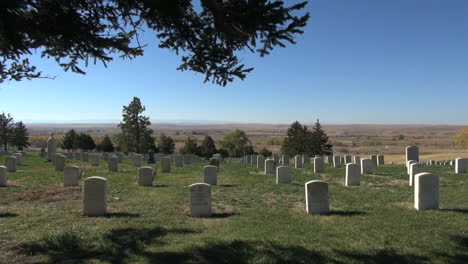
column 359, row 61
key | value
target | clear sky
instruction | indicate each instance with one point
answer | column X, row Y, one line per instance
column 359, row 61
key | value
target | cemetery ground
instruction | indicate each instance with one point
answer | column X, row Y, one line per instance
column 254, row 220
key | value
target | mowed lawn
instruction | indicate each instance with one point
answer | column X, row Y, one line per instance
column 254, row 221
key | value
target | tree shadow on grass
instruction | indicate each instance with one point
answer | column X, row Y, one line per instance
column 462, row 251
column 239, row 252
column 8, row 215
column 382, row 256
column 456, row 210
column 116, row 246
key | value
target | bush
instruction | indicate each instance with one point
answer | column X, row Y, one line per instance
column 265, row 152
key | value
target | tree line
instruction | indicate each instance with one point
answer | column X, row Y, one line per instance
column 13, row 134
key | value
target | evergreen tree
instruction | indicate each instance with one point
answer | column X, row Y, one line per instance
column 211, row 33
column 148, row 142
column 249, row 150
column 85, row 142
column 224, row 153
column 296, row 140
column 236, row 143
column 20, row 137
column 69, row 141
column 208, row 147
column 121, row 143
column 6, row 129
column 265, row 152
column 190, row 147
column 320, row 139
column 135, row 127
column 166, row 144
column 106, row 145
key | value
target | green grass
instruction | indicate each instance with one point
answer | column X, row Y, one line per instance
column 254, row 221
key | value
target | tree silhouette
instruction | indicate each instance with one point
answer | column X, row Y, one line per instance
column 207, row 36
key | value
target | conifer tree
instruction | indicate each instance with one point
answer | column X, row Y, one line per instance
column 135, row 127
column 20, row 137
column 6, row 129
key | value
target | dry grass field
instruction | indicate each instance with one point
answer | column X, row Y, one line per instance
column 435, row 141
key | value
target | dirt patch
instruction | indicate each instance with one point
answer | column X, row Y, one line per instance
column 50, row 193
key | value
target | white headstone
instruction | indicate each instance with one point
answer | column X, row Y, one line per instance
column 283, row 175
column 60, row 162
column 215, row 162
column 260, row 162
column 298, row 161
column 426, row 191
column 305, row 159
column 270, row 166
column 415, row 168
column 95, row 196
column 319, row 165
column 380, row 160
column 254, row 159
column 85, row 156
column 316, row 194
column 19, row 158
column 336, row 161
column 137, row 160
column 10, row 163
column 374, row 160
column 178, row 162
column 353, row 175
column 145, row 176
column 408, row 164
column 412, row 153
column 200, row 200
column 165, row 165
column 285, row 159
column 94, row 159
column 357, row 160
column 461, row 165
column 347, row 159
column 51, row 148
column 71, row 176
column 113, row 163
column 210, row 175
column 276, row 158
column 367, row 166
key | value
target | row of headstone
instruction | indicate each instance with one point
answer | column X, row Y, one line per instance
column 316, row 192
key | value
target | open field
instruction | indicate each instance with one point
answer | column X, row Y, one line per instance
column 255, row 220
column 435, row 142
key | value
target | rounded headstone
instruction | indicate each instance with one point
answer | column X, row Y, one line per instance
column 145, row 176
column 113, row 163
column 283, row 175
column 319, row 165
column 200, row 200
column 71, row 176
column 353, row 175
column 316, row 194
column 95, row 196
column 270, row 166
column 210, row 175
column 426, row 191
column 10, row 163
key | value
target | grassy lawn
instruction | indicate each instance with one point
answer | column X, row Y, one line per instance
column 254, row 221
